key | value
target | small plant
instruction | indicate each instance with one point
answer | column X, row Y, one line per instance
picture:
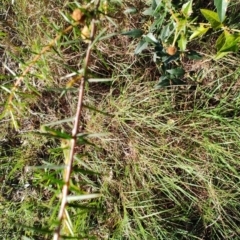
column 229, row 39
column 171, row 29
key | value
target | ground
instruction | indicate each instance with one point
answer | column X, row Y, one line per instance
column 166, row 161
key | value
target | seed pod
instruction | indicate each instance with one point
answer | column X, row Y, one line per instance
column 73, row 80
column 85, row 34
column 78, row 15
column 171, row 50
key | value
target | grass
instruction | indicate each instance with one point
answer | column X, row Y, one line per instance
column 176, row 173
column 168, row 167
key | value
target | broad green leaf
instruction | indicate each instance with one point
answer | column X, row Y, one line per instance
column 200, row 31
column 212, row 18
column 187, row 9
column 193, row 55
column 142, row 45
column 176, row 72
column 182, row 42
column 177, row 81
column 230, row 43
column 135, row 33
column 226, row 43
column 182, row 25
column 168, row 59
column 150, row 38
column 166, row 32
column 164, row 81
column 220, row 41
column 221, row 6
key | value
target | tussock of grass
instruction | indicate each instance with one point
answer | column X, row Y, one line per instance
column 175, row 173
column 168, row 169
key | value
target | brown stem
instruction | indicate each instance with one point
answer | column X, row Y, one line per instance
column 68, row 168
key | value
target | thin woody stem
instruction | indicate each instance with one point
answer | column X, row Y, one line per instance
column 75, row 130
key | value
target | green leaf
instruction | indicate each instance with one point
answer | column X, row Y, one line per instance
column 212, row 18
column 83, row 206
column 200, row 31
column 193, row 55
column 97, row 110
column 168, row 59
column 182, row 42
column 82, row 141
column 50, row 132
column 166, row 32
column 150, row 38
column 182, row 25
column 187, row 9
column 227, row 42
column 220, row 41
column 230, row 44
column 142, row 45
column 135, row 33
column 221, row 6
column 165, row 81
column 176, row 72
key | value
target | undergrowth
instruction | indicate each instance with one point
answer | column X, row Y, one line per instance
column 165, row 161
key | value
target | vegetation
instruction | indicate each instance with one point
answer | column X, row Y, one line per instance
column 157, row 154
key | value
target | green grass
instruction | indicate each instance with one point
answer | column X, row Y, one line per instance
column 168, row 167
column 175, row 179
